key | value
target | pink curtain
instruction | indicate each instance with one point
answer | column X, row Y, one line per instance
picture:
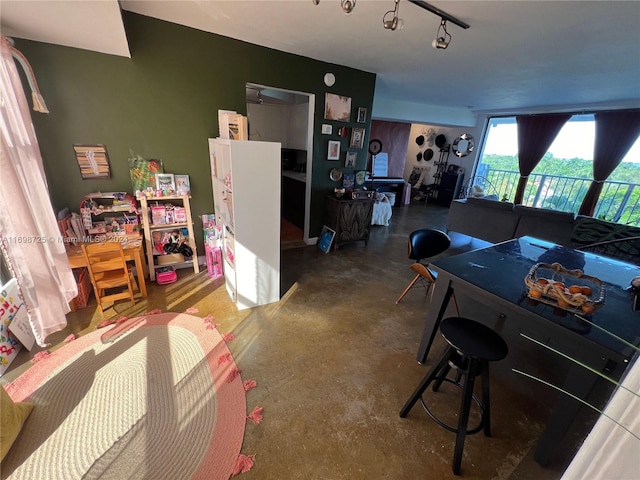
column 28, row 229
column 536, row 133
column 616, row 132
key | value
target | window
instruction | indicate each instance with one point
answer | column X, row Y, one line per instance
column 561, row 179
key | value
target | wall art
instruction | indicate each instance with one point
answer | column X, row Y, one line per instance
column 357, row 138
column 93, row 161
column 337, row 107
column 362, row 115
column 334, row 150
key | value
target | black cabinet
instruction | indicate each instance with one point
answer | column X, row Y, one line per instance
column 351, row 219
column 449, row 188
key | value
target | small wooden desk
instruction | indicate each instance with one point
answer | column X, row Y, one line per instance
column 132, row 252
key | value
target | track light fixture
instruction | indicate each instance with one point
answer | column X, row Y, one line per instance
column 346, row 5
column 443, row 38
column 392, row 22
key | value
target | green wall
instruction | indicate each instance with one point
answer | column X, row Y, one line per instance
column 162, row 103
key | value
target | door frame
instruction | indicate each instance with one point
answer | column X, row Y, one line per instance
column 311, row 102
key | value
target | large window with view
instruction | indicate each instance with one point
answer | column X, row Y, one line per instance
column 561, row 180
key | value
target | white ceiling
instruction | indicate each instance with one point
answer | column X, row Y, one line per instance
column 516, row 55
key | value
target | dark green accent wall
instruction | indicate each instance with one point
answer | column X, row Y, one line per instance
column 163, row 103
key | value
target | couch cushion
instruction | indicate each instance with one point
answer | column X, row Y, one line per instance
column 488, row 220
column 550, row 225
column 611, row 237
column 489, row 203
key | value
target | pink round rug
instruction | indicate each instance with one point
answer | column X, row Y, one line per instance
column 161, row 398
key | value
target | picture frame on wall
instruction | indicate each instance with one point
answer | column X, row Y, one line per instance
column 93, row 161
column 333, row 152
column 337, row 107
column 362, row 115
column 350, row 160
column 357, row 138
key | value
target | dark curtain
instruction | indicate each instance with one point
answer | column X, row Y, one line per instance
column 535, row 134
column 616, row 132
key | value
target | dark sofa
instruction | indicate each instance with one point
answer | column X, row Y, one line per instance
column 496, row 221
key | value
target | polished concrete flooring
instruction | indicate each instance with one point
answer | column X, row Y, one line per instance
column 334, row 360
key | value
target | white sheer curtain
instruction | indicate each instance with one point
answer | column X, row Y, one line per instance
column 28, row 228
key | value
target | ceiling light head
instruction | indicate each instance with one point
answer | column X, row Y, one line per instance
column 315, row 2
column 347, row 6
column 443, row 38
column 439, row 43
column 392, row 22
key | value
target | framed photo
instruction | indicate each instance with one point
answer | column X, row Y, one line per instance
column 326, row 238
column 327, row 129
column 183, row 185
column 350, row 161
column 348, row 181
column 93, row 161
column 357, row 138
column 165, row 182
column 337, row 107
column 334, row 150
column 362, row 115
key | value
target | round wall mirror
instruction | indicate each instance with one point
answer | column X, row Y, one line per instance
column 463, row 145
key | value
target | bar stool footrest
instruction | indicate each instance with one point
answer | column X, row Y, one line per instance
column 477, row 401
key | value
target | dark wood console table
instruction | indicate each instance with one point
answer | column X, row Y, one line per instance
column 351, row 219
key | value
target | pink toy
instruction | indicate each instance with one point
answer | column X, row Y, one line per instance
column 166, row 275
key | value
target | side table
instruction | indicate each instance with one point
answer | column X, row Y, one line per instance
column 351, row 219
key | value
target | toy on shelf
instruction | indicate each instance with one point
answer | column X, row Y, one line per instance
column 112, row 214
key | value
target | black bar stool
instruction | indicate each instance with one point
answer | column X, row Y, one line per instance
column 472, row 347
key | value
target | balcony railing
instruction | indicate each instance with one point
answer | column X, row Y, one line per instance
column 619, row 201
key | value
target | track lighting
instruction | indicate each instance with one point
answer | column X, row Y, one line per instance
column 392, row 22
column 443, row 38
column 346, row 5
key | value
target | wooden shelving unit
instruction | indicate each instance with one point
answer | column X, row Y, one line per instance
column 149, row 228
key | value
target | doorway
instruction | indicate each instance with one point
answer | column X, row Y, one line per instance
column 286, row 116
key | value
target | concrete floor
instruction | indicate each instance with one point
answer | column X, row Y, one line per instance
column 334, row 360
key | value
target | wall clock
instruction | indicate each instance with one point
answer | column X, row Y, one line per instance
column 329, row 79
column 375, row 146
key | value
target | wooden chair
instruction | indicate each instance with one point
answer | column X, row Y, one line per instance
column 109, row 271
column 422, row 244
